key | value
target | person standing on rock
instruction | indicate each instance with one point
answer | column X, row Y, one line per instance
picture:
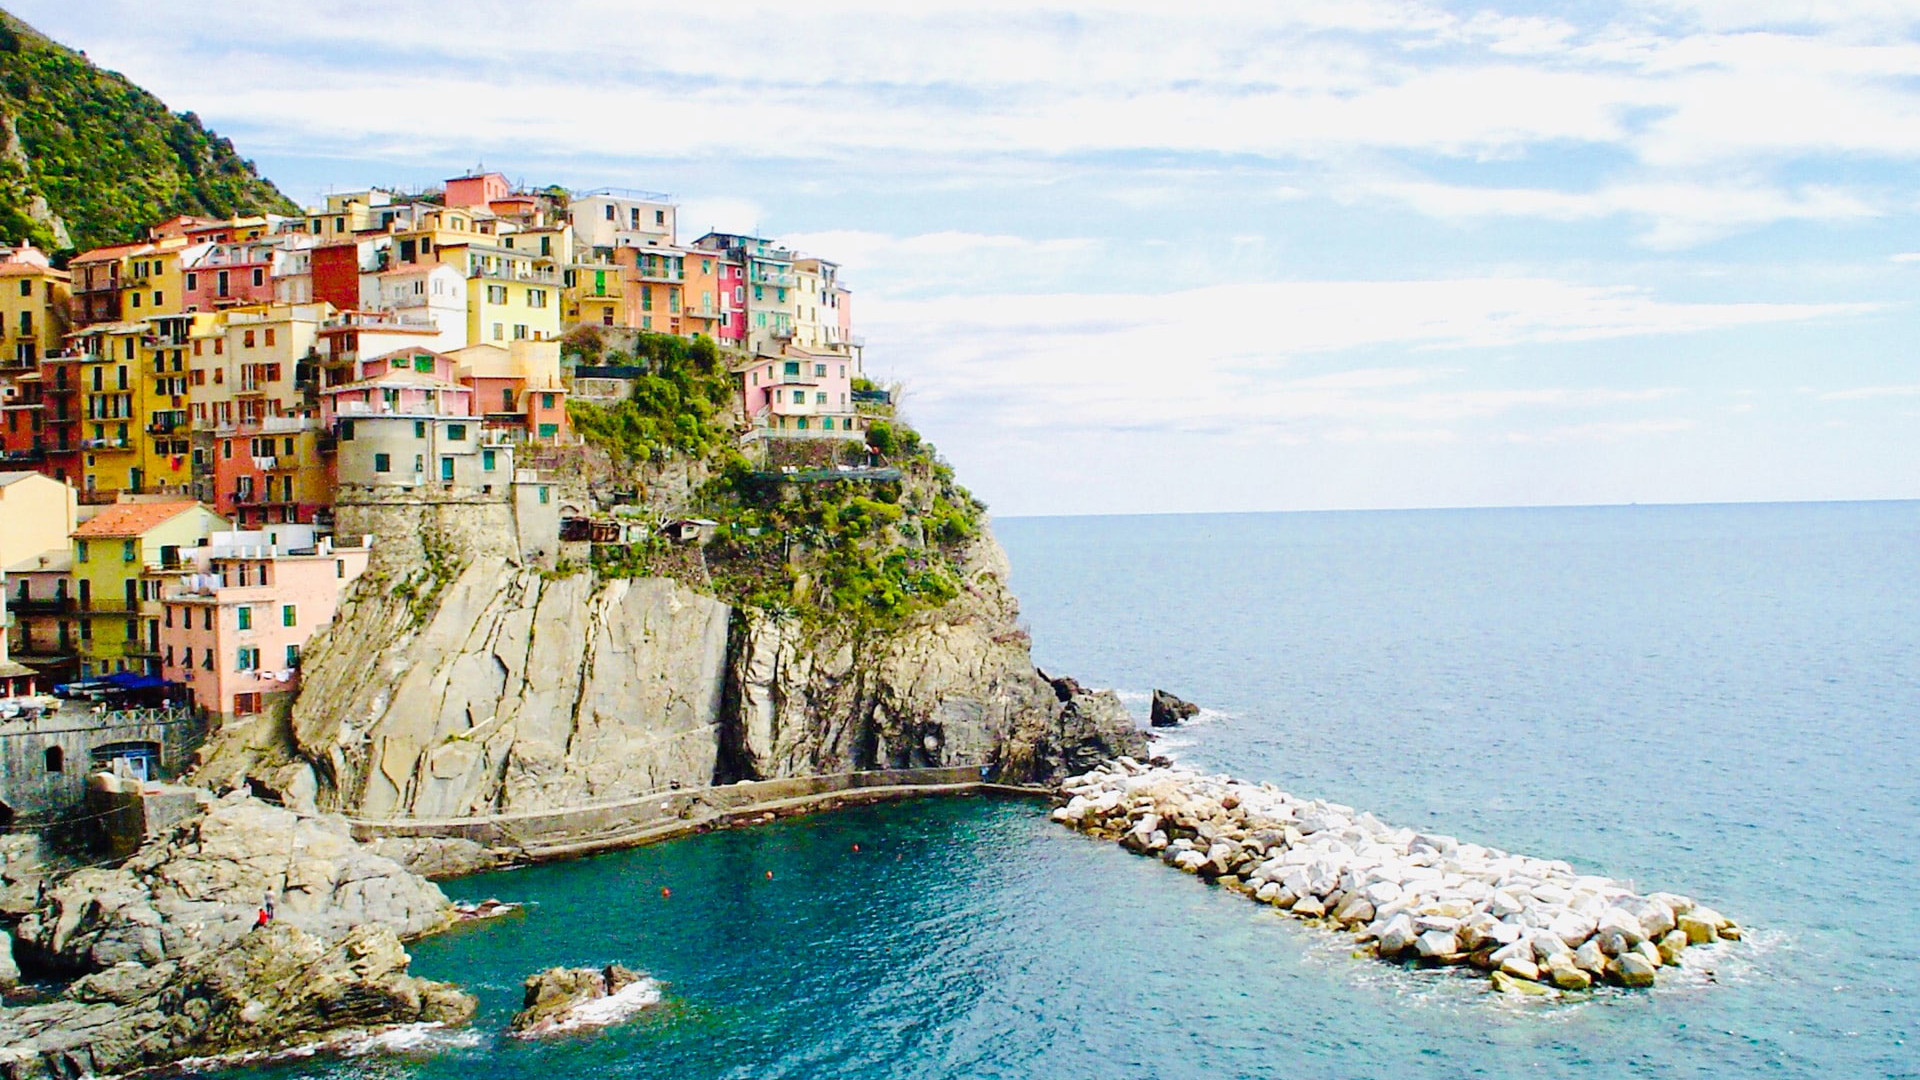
column 261, row 919
column 267, row 905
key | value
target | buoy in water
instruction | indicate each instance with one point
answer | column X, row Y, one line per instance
column 665, row 893
column 856, row 848
column 769, row 875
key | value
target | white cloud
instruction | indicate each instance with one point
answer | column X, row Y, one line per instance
column 1677, row 214
column 1675, row 88
column 1280, row 354
column 1865, row 393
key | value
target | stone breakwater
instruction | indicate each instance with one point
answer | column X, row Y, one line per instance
column 1534, row 924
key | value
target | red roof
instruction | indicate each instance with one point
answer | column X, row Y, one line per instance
column 132, row 519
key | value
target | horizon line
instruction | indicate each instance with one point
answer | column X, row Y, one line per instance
column 1439, row 509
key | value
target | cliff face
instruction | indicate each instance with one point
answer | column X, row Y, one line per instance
column 511, row 690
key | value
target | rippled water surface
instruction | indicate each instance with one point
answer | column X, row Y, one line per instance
column 1714, row 700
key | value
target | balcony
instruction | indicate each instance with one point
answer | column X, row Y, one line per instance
column 23, row 457
column 40, row 605
column 106, row 444
column 166, row 427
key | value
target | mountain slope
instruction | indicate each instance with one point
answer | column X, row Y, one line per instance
column 87, row 158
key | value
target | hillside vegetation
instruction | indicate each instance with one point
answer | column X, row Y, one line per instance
column 867, row 551
column 87, row 158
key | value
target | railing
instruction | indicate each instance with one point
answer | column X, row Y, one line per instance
column 105, row 444
column 40, row 605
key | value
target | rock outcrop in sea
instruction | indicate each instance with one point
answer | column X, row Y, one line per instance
column 1169, row 710
column 1403, row 894
column 560, row 1000
column 171, row 965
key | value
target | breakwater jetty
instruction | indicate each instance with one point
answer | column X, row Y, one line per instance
column 1536, row 925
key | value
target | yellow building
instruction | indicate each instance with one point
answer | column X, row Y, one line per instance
column 36, row 516
column 511, row 295
column 120, row 559
column 110, row 419
column 33, row 307
column 151, row 281
column 594, row 294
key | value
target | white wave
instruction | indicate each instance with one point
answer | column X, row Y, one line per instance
column 409, row 1038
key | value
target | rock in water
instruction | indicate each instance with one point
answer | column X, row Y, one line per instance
column 1633, row 969
column 1169, row 710
column 568, row 999
column 272, row 989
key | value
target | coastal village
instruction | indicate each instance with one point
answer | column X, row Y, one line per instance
column 186, row 419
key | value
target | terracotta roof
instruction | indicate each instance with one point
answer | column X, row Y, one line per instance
column 132, row 519
column 114, row 252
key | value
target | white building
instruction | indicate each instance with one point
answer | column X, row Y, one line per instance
column 616, row 218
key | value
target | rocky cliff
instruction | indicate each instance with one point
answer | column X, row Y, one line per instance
column 171, row 965
column 506, row 688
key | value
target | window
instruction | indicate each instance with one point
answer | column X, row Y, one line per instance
column 792, row 367
column 244, row 613
column 246, row 704
column 519, row 331
column 827, row 424
column 549, row 431
column 382, row 463
column 536, row 298
column 26, row 288
column 800, row 397
column 820, row 398
column 423, row 364
column 609, row 209
column 497, row 335
column 288, row 615
column 247, row 658
column 496, row 294
column 127, row 553
column 206, row 658
column 486, row 460
column 546, row 401
column 543, row 495
column 456, row 432
column 55, row 759
column 659, row 217
column 419, row 429
column 820, row 370
column 346, row 431
column 293, row 656
column 80, row 549
column 256, row 281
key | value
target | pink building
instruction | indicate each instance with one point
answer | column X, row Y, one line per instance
column 409, row 382
column 233, row 628
column 477, row 190
column 226, row 275
column 731, row 329
column 794, row 392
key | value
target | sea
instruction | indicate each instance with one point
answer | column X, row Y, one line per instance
column 1714, row 700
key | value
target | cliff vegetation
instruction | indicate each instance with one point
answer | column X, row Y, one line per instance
column 865, row 535
column 91, row 159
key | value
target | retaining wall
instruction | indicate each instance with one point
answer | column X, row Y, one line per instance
column 659, row 814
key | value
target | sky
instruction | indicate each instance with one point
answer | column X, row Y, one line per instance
column 1140, row 257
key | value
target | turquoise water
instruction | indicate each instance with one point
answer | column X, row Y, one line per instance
column 1714, row 700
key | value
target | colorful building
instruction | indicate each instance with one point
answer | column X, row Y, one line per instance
column 255, row 413
column 119, row 557
column 794, row 393
column 517, row 390
column 608, row 219
column 34, row 299
column 239, row 611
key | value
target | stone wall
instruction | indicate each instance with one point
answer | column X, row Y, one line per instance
column 32, row 791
